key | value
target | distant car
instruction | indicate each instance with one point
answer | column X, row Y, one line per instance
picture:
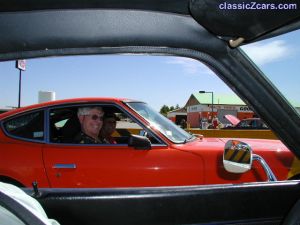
column 162, row 155
column 248, row 123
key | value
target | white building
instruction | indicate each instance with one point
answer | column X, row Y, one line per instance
column 46, row 96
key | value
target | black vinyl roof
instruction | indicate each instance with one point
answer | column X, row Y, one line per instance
column 236, row 19
column 174, row 6
column 246, row 19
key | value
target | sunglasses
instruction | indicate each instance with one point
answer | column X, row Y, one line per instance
column 96, row 117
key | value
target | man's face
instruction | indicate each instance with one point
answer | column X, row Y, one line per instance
column 92, row 123
column 109, row 126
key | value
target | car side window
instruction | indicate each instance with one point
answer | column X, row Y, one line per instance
column 117, row 126
column 126, row 127
column 64, row 125
column 29, row 126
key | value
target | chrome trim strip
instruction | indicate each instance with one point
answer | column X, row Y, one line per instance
column 64, row 166
column 271, row 176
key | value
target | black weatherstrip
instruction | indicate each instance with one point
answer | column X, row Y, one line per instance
column 19, row 210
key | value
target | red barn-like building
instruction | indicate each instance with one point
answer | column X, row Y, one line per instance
column 199, row 106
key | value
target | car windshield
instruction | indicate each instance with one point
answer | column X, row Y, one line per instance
column 173, row 132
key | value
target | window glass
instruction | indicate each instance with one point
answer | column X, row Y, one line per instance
column 116, row 127
column 278, row 58
column 7, row 217
column 30, row 126
column 183, row 90
column 167, row 128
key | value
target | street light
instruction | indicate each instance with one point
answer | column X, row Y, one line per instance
column 21, row 65
column 212, row 101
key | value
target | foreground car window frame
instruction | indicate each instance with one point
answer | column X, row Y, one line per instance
column 226, row 201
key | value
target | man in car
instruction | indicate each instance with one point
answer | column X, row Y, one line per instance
column 91, row 121
column 108, row 128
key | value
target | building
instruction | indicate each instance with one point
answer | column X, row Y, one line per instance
column 177, row 115
column 199, row 107
column 46, row 96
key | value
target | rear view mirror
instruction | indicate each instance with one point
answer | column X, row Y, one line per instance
column 139, row 142
column 143, row 133
column 237, row 157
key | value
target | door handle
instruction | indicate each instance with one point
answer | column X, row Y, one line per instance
column 64, row 166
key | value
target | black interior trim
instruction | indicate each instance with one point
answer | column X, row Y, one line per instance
column 261, row 202
column 246, row 23
column 176, row 6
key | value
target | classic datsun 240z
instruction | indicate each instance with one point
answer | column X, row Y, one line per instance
column 166, row 156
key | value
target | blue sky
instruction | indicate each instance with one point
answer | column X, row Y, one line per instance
column 157, row 80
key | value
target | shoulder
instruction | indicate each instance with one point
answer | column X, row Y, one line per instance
column 82, row 138
column 79, row 138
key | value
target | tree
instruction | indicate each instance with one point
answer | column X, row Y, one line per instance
column 165, row 109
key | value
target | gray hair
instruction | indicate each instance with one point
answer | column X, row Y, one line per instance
column 83, row 111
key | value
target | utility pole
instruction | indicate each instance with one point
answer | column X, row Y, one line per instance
column 21, row 66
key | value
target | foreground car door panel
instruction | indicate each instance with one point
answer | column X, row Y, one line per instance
column 252, row 203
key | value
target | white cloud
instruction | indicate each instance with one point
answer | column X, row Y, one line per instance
column 263, row 53
column 260, row 53
column 190, row 66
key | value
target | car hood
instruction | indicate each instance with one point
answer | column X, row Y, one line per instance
column 217, row 144
column 261, row 144
column 232, row 119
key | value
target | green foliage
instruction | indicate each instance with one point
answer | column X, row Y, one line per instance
column 165, row 109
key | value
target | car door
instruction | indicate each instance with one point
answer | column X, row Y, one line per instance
column 116, row 165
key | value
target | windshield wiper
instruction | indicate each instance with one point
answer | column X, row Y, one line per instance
column 192, row 137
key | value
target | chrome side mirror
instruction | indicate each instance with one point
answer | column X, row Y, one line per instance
column 237, row 157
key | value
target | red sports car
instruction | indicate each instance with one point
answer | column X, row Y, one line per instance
column 37, row 144
column 248, row 123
